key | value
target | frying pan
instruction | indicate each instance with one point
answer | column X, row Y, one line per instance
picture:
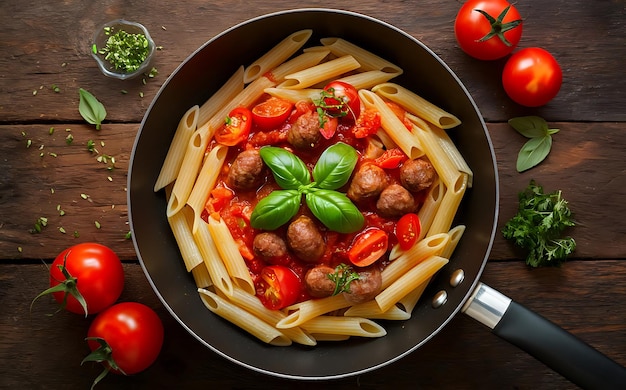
column 456, row 288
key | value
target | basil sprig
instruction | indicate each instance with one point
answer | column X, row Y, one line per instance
column 537, row 148
column 331, row 172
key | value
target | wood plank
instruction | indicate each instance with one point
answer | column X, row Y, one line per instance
column 75, row 171
column 38, row 55
column 479, row 359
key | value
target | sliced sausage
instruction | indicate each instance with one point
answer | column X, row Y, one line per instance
column 305, row 132
column 246, row 172
column 305, row 239
column 417, row 175
column 395, row 201
column 317, row 282
column 366, row 287
column 367, row 183
column 270, row 247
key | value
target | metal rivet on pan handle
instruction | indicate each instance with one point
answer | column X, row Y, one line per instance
column 440, row 299
column 457, row 277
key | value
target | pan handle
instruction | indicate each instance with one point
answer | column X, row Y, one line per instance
column 558, row 349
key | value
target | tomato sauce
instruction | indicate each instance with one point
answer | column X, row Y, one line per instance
column 237, row 210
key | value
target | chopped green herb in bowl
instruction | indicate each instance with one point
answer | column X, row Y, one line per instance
column 123, row 49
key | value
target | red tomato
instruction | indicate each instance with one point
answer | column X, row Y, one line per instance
column 86, row 278
column 367, row 123
column 280, row 287
column 532, row 77
column 488, row 29
column 391, row 158
column 329, row 128
column 236, row 128
column 126, row 338
column 342, row 101
column 408, row 229
column 271, row 113
column 368, row 246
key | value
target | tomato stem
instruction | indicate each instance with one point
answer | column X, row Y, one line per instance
column 497, row 27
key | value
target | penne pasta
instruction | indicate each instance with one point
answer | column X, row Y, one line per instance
column 392, row 125
column 367, row 80
column 233, row 87
column 409, row 281
column 181, row 225
column 219, row 259
column 214, row 264
column 449, row 204
column 417, row 105
column 294, row 95
column 429, row 246
column 304, row 311
column 277, row 55
column 318, row 73
column 368, row 60
column 371, row 310
column 243, row 319
column 229, row 253
column 174, row 158
column 349, row 326
column 211, row 168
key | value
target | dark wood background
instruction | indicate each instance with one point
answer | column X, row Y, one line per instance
column 47, row 44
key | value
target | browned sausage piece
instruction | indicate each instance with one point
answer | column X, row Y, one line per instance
column 269, row 247
column 246, row 171
column 368, row 182
column 305, row 132
column 395, row 201
column 317, row 282
column 305, row 240
column 366, row 287
column 417, row 175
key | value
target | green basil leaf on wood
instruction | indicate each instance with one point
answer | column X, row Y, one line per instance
column 276, row 209
column 335, row 210
column 335, row 165
column 530, row 126
column 90, row 108
column 289, row 171
column 534, row 151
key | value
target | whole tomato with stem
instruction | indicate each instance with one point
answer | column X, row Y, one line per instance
column 488, row 29
column 532, row 77
column 126, row 338
column 86, row 278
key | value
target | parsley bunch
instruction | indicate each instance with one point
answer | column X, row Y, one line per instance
column 539, row 224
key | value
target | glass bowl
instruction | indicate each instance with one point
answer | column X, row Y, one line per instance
column 100, row 39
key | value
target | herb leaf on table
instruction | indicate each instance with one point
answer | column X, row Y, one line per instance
column 537, row 148
column 539, row 224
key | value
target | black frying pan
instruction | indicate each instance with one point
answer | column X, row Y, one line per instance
column 456, row 288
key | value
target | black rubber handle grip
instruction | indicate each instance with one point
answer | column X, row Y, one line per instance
column 560, row 350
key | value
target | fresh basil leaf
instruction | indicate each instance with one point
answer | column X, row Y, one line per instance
column 335, row 211
column 289, row 171
column 530, row 126
column 275, row 210
column 90, row 108
column 335, row 165
column 534, row 151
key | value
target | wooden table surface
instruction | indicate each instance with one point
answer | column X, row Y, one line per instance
column 46, row 44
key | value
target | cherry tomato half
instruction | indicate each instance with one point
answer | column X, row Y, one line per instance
column 86, row 278
column 279, row 287
column 532, row 77
column 408, row 230
column 127, row 336
column 236, row 128
column 368, row 246
column 329, row 128
column 488, row 29
column 343, row 101
column 271, row 113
